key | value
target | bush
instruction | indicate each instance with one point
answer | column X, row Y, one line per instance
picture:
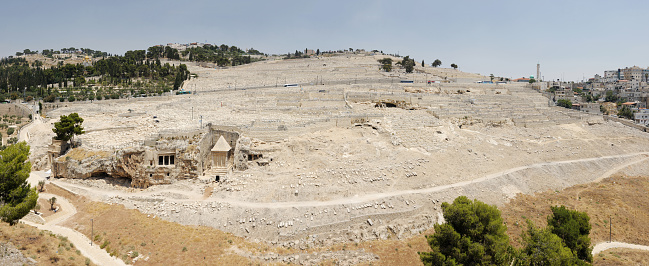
column 105, row 244
column 542, row 247
column 565, row 103
column 625, row 112
column 50, row 98
column 10, row 131
column 474, row 234
column 573, row 227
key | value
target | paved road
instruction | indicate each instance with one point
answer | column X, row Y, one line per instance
column 608, row 245
column 80, row 241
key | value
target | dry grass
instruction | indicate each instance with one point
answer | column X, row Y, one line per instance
column 42, row 246
column 622, row 256
column 623, row 198
column 398, row 252
column 121, row 231
column 620, row 197
column 164, row 242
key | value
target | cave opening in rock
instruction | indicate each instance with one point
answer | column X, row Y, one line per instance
column 108, row 179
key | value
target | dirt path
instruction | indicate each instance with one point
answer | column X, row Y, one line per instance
column 80, row 241
column 609, row 245
column 25, row 132
column 618, row 168
column 362, row 198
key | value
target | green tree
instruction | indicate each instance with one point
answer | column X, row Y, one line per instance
column 408, row 63
column 565, row 103
column 80, row 80
column 542, row 247
column 437, row 63
column 16, row 197
column 68, row 127
column 41, row 185
column 422, row 63
column 386, row 64
column 454, row 66
column 474, row 234
column 52, row 201
column 625, row 112
column 611, row 97
column 532, row 80
column 573, row 227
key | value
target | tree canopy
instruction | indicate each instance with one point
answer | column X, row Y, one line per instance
column 542, row 247
column 68, row 127
column 626, row 112
column 437, row 63
column 386, row 64
column 454, row 66
column 564, row 103
column 474, row 234
column 573, row 227
column 408, row 63
column 16, row 196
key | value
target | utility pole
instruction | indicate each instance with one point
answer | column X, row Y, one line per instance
column 92, row 234
column 192, row 112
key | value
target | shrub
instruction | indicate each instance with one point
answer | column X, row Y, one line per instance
column 564, row 103
column 105, row 244
column 50, row 98
column 573, row 227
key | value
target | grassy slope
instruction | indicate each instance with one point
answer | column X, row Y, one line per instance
column 43, row 246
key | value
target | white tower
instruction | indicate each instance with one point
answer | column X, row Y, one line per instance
column 538, row 71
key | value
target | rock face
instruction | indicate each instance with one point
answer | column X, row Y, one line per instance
column 162, row 160
column 82, row 163
column 138, row 164
column 241, row 153
column 9, row 255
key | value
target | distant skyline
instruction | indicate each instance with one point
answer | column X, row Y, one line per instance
column 570, row 39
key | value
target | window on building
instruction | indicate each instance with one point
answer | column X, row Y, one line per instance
column 166, row 159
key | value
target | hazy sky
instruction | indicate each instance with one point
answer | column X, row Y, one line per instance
column 570, row 38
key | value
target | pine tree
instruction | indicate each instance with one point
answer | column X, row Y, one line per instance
column 16, row 197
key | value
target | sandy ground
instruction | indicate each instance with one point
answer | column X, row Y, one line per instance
column 328, row 184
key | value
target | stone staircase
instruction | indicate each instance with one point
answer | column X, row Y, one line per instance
column 221, row 172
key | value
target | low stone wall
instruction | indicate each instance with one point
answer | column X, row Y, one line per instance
column 626, row 122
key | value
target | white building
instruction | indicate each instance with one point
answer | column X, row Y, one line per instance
column 642, row 117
